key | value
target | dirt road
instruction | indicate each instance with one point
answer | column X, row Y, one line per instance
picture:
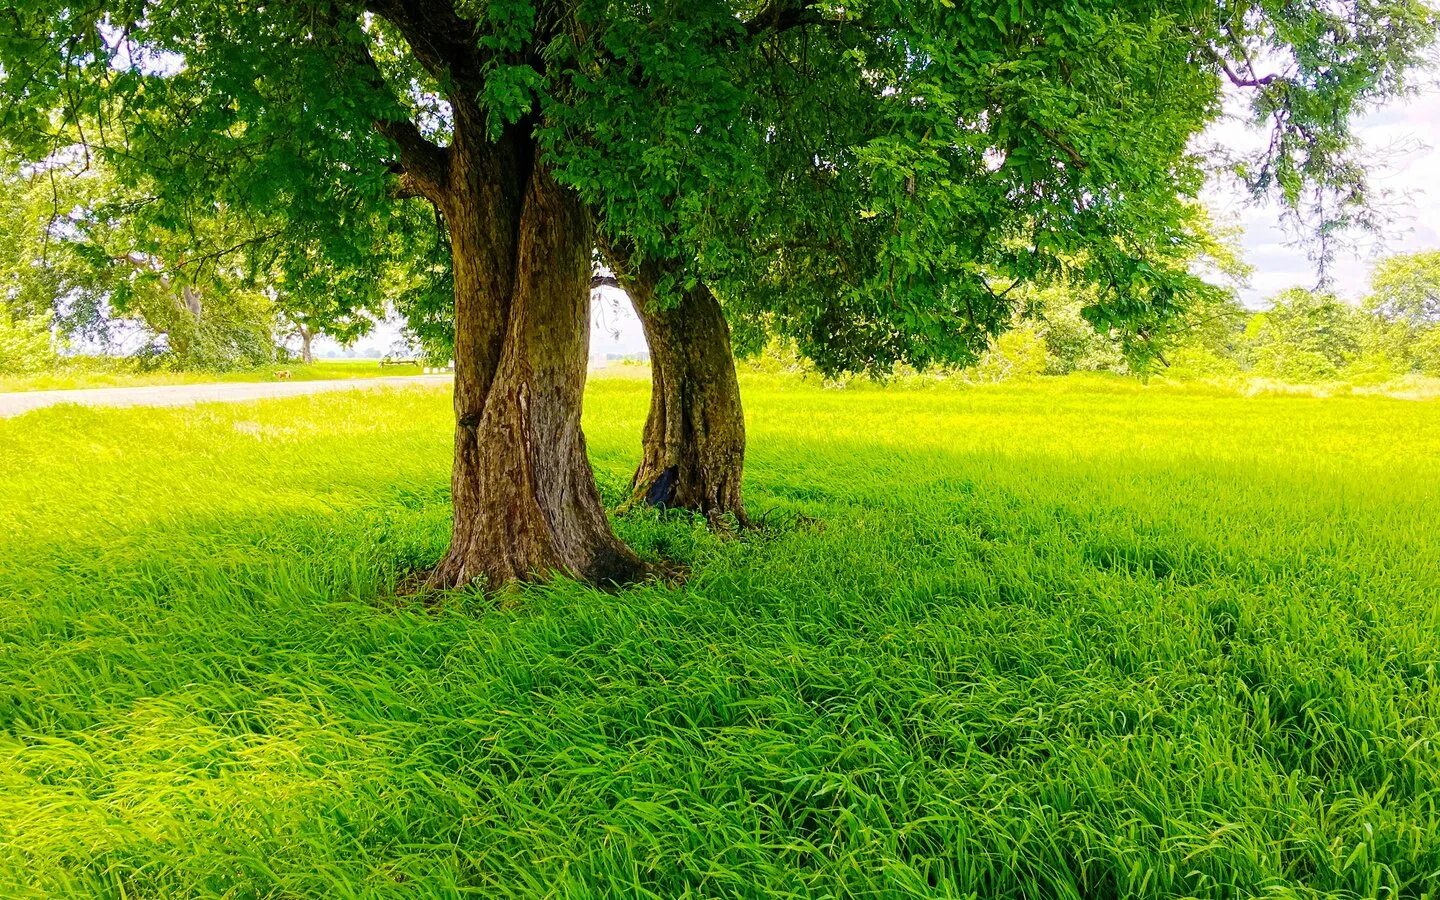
column 13, row 404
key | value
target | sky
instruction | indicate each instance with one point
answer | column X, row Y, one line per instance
column 1402, row 140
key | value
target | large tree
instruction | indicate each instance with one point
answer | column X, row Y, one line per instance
column 692, row 450
column 939, row 153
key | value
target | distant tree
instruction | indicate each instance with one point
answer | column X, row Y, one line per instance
column 1406, row 288
column 1016, row 354
column 1405, row 301
column 1305, row 336
column 26, row 345
column 1426, row 352
column 44, row 275
column 73, row 256
column 1056, row 309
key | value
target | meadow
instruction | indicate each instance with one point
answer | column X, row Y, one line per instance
column 1072, row 638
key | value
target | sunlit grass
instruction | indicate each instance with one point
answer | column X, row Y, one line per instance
column 1069, row 639
column 104, row 373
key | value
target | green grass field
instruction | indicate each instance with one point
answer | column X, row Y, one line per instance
column 104, row 373
column 1070, row 639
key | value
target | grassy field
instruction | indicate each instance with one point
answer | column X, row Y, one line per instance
column 1070, row 639
column 103, row 373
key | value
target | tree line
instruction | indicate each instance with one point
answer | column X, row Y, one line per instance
column 74, row 267
column 220, row 290
column 876, row 182
column 1301, row 335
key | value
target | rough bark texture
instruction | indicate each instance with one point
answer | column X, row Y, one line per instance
column 525, row 501
column 307, row 338
column 694, row 443
column 526, row 505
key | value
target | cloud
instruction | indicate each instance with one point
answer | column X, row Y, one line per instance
column 1402, row 149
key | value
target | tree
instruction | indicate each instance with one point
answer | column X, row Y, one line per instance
column 1305, row 335
column 1405, row 299
column 74, row 258
column 935, row 153
column 693, row 445
column 797, row 274
column 44, row 274
column 1406, row 288
column 25, row 344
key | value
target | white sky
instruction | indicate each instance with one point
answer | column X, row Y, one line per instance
column 1402, row 140
column 1403, row 143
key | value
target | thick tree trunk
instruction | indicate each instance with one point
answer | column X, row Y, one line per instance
column 306, row 337
column 693, row 451
column 525, row 501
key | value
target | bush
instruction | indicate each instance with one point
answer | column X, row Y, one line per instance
column 1427, row 353
column 25, row 345
column 1073, row 344
column 211, row 344
column 1375, row 367
column 777, row 356
column 1017, row 354
column 1199, row 362
column 1295, row 364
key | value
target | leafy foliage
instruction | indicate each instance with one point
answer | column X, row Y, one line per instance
column 46, row 272
column 870, row 180
column 1406, row 288
column 1304, row 335
column 76, row 257
column 25, row 345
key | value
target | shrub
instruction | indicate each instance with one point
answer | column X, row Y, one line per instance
column 25, row 345
column 1199, row 362
column 1427, row 351
column 1295, row 364
column 1374, row 367
column 1017, row 354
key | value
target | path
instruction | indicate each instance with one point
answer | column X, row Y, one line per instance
column 13, row 404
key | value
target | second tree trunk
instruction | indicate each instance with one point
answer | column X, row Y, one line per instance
column 694, row 442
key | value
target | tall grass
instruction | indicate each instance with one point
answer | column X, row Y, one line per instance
column 1054, row 640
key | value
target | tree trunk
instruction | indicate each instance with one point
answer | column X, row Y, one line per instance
column 693, row 450
column 525, row 501
column 306, row 336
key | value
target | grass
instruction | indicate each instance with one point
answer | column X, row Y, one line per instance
column 1069, row 639
column 91, row 372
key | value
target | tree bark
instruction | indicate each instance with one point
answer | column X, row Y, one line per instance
column 525, row 501
column 306, row 336
column 693, row 449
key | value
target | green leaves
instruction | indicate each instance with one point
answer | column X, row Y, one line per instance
column 509, row 94
column 859, row 178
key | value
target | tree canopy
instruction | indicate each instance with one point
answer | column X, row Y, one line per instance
column 868, row 177
column 1406, row 288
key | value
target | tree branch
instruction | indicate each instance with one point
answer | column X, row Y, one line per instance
column 782, row 15
column 1236, row 78
column 1066, row 148
column 423, row 169
column 442, row 40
